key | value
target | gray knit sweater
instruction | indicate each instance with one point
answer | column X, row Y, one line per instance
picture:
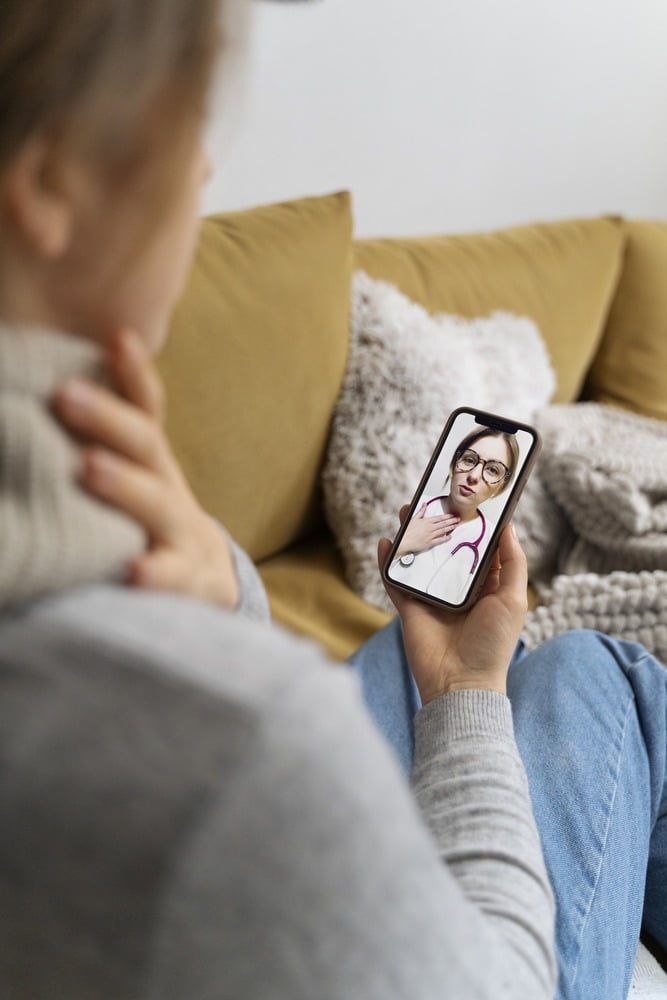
column 195, row 805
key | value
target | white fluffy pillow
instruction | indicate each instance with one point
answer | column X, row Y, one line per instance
column 406, row 371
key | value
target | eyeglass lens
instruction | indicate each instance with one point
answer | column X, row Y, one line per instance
column 492, row 470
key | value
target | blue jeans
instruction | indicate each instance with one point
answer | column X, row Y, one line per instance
column 590, row 716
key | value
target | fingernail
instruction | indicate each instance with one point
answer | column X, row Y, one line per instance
column 102, row 465
column 143, row 575
column 130, row 340
column 514, row 531
column 76, row 395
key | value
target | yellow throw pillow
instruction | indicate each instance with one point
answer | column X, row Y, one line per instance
column 560, row 274
column 630, row 368
column 254, row 363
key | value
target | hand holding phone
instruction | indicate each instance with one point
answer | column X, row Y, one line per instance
column 448, row 651
column 467, row 495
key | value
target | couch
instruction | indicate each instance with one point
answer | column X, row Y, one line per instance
column 257, row 352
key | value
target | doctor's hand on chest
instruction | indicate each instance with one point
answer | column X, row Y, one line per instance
column 426, row 530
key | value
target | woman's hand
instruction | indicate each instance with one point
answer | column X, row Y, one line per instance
column 130, row 465
column 424, row 532
column 450, row 651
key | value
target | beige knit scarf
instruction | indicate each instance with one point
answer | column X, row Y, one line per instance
column 53, row 534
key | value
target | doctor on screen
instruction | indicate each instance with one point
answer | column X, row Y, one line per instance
column 448, row 534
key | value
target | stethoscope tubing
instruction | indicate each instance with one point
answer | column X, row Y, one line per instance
column 474, row 545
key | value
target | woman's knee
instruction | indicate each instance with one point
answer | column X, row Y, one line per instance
column 572, row 663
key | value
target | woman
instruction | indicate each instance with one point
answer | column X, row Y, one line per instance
column 445, row 539
column 193, row 803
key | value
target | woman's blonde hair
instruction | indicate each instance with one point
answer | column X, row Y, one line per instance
column 114, row 77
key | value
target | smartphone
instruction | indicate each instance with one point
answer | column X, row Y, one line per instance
column 467, row 495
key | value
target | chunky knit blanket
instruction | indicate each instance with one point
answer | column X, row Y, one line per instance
column 593, row 522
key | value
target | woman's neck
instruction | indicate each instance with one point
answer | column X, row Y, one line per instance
column 46, row 295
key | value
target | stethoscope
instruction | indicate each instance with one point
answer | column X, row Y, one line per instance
column 409, row 557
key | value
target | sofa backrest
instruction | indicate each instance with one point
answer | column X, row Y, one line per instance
column 561, row 274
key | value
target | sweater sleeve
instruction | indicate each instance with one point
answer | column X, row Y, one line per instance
column 253, row 602
column 313, row 874
column 472, row 789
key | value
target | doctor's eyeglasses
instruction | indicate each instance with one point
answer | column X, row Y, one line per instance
column 493, row 471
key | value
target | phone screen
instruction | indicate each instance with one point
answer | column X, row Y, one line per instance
column 466, row 496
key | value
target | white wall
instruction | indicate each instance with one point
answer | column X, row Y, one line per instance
column 451, row 115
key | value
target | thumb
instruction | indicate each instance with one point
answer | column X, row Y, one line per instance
column 513, row 578
column 395, row 595
column 384, row 547
column 422, row 510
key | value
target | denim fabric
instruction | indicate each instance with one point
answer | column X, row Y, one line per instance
column 590, row 716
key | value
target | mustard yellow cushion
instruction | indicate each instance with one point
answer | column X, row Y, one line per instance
column 308, row 594
column 561, row 274
column 254, row 363
column 630, row 368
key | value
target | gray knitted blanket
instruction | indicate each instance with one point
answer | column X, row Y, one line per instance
column 593, row 522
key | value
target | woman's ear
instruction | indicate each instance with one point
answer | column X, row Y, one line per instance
column 37, row 198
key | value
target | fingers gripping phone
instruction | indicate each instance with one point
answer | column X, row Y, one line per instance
column 467, row 495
